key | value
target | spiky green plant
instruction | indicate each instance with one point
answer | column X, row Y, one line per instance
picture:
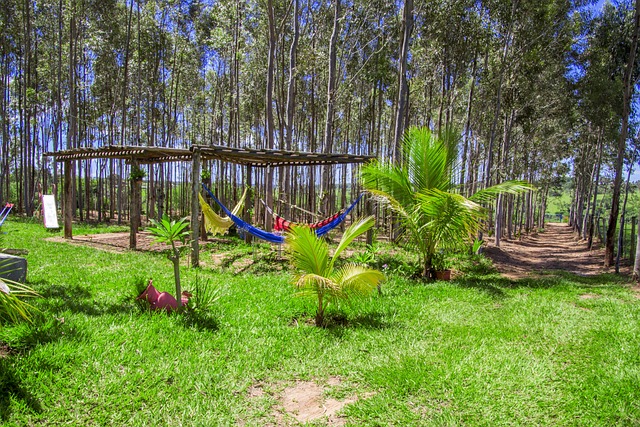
column 13, row 308
column 421, row 192
column 169, row 232
column 319, row 278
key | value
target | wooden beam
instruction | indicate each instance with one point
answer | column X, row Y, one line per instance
column 248, row 203
column 134, row 214
column 68, row 201
column 195, row 209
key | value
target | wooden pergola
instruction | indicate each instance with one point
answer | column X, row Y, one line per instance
column 137, row 155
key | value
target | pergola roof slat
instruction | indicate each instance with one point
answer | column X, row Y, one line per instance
column 246, row 156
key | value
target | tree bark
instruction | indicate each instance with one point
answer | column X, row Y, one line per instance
column 268, row 220
column 622, row 140
column 592, row 217
column 496, row 111
column 195, row 210
column 403, row 87
column 622, row 217
column 331, row 89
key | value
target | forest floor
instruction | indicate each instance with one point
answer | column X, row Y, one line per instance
column 557, row 248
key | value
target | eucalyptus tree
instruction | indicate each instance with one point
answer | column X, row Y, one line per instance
column 607, row 71
column 629, row 80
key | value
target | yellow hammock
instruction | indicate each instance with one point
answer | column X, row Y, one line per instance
column 214, row 223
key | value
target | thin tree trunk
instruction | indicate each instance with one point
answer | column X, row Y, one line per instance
column 622, row 140
column 636, row 264
column 291, row 101
column 496, row 112
column 595, row 193
column 467, row 130
column 269, row 110
column 331, row 95
column 403, row 87
column 624, row 208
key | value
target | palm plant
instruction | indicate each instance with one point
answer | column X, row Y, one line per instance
column 420, row 191
column 319, row 277
column 12, row 294
column 170, row 231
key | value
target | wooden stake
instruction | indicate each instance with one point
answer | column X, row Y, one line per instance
column 68, row 201
column 195, row 209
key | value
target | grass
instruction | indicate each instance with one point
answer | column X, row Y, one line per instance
column 480, row 351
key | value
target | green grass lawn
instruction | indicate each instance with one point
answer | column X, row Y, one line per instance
column 480, row 350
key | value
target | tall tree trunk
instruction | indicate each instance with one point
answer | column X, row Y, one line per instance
column 622, row 140
column 624, row 209
column 496, row 111
column 403, row 87
column 269, row 110
column 499, row 220
column 636, row 264
column 467, row 129
column 592, row 217
column 291, row 102
column 331, row 95
column 72, row 133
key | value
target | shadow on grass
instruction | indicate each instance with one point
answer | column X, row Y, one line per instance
column 77, row 299
column 200, row 321
column 45, row 329
column 12, row 389
column 338, row 323
column 494, row 285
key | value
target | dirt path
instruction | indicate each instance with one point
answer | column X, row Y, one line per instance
column 557, row 248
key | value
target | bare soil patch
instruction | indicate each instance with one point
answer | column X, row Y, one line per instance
column 305, row 401
column 555, row 249
column 114, row 242
column 4, row 351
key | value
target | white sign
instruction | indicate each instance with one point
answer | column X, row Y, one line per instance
column 49, row 211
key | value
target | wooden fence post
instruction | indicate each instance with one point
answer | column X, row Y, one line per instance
column 248, row 203
column 195, row 209
column 68, row 201
column 134, row 205
column 632, row 252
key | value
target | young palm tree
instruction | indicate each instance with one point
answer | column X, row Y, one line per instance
column 12, row 305
column 319, row 278
column 420, row 191
column 170, row 232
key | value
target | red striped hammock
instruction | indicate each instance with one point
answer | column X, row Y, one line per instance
column 281, row 224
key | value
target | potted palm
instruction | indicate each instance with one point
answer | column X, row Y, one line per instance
column 441, row 266
column 319, row 278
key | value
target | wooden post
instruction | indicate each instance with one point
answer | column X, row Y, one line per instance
column 368, row 210
column 195, row 209
column 206, row 181
column 134, row 206
column 248, row 203
column 632, row 253
column 68, row 201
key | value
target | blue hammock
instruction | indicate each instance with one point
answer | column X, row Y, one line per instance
column 5, row 212
column 272, row 237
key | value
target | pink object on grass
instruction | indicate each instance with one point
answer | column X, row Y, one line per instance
column 162, row 300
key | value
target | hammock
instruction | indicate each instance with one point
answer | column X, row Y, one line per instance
column 4, row 213
column 214, row 223
column 278, row 238
column 281, row 224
